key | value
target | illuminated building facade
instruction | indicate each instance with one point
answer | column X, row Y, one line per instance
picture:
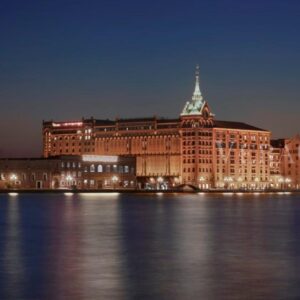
column 285, row 163
column 194, row 149
column 64, row 172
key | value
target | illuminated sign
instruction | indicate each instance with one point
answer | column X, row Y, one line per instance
column 67, row 124
column 100, row 158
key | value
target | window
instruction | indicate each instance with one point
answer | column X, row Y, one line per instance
column 92, row 168
column 100, row 169
column 126, row 169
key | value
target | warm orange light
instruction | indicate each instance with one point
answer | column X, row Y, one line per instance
column 67, row 124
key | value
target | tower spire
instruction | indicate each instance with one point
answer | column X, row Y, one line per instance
column 197, row 104
column 197, row 93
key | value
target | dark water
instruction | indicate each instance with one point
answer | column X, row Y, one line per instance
column 150, row 246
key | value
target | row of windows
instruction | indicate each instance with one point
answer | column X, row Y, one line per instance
column 244, row 137
column 252, row 178
column 193, row 152
column 188, row 161
column 108, row 169
column 61, row 151
column 240, row 171
column 192, row 133
column 97, row 168
column 203, row 170
column 193, row 143
column 233, row 145
column 73, row 144
column 241, row 161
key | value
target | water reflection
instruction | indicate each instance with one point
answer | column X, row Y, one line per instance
column 149, row 246
column 11, row 249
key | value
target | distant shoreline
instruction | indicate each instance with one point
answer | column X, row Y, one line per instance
column 122, row 191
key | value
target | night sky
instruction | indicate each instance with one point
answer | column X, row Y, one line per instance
column 64, row 60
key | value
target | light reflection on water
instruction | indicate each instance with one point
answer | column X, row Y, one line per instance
column 135, row 247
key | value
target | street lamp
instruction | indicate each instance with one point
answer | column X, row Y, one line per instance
column 281, row 181
column 160, row 180
column 13, row 178
column 114, row 180
column 288, row 181
column 69, row 179
column 227, row 180
column 176, row 181
column 201, row 179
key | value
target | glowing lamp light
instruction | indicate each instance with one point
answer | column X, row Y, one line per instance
column 69, row 178
column 228, row 179
column 115, row 179
column 160, row 179
column 13, row 177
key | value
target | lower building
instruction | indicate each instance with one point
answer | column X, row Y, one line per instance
column 64, row 172
column 285, row 163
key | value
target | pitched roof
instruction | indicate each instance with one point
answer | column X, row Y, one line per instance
column 235, row 125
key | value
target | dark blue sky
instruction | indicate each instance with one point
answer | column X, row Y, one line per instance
column 67, row 59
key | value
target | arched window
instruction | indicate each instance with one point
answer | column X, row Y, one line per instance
column 92, row 168
column 100, row 169
column 107, row 168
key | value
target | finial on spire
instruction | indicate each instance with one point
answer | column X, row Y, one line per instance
column 197, row 70
column 197, row 93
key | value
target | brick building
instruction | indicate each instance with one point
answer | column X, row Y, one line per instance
column 194, row 148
